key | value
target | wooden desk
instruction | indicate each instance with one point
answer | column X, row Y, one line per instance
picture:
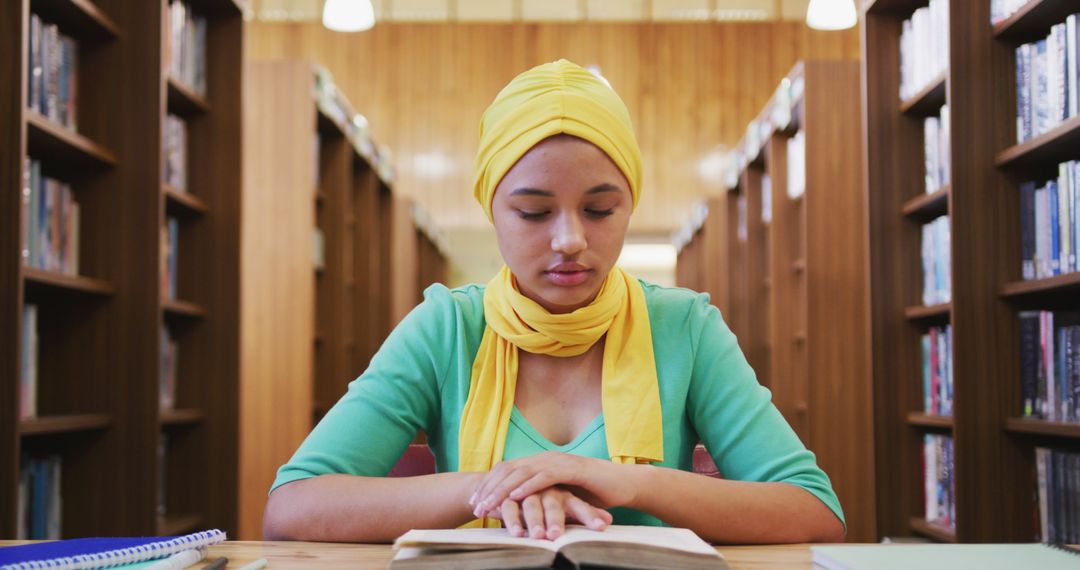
column 312, row 555
column 322, row 555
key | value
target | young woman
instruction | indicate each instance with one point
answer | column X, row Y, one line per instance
column 564, row 389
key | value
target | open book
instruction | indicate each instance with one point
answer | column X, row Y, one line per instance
column 616, row 547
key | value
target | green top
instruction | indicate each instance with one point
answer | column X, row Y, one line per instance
column 419, row 380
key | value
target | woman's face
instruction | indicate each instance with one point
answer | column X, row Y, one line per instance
column 561, row 215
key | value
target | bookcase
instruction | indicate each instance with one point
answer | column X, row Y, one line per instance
column 993, row 447
column 99, row 328
column 789, row 246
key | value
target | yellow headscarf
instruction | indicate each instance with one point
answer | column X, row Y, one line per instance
column 551, row 99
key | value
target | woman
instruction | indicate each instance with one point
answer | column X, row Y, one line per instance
column 564, row 389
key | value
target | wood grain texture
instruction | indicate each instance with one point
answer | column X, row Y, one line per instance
column 840, row 387
column 690, row 88
column 403, row 254
column 277, row 301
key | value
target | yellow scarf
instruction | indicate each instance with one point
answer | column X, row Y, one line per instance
column 630, row 395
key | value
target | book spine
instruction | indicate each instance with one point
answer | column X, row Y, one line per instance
column 1055, row 228
column 928, row 403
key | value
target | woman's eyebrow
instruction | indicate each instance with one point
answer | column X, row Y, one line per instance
column 526, row 191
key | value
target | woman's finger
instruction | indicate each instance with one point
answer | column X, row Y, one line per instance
column 533, row 512
column 588, row 515
column 554, row 513
column 533, row 484
column 498, row 491
column 511, row 517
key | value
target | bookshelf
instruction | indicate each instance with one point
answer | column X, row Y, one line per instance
column 993, row 448
column 794, row 264
column 98, row 327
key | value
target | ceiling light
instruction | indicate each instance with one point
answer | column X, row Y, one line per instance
column 831, row 14
column 348, row 15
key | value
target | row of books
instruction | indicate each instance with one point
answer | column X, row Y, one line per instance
column 39, row 499
column 1001, row 10
column 937, row 364
column 174, row 152
column 50, row 235
column 1047, row 80
column 940, row 483
column 28, row 369
column 1050, row 224
column 936, row 149
column 924, row 47
column 185, row 50
column 766, row 199
column 1058, row 476
column 168, row 368
column 1050, row 365
column 333, row 103
column 936, row 262
column 52, row 73
column 170, row 241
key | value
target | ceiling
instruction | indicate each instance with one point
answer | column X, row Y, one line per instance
column 546, row 10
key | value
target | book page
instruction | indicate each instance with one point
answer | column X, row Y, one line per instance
column 680, row 539
column 469, row 538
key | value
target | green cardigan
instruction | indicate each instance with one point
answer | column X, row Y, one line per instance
column 419, row 380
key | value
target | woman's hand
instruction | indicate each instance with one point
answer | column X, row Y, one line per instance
column 600, row 483
column 544, row 514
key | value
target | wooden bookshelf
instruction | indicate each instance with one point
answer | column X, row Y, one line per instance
column 1033, row 20
column 926, row 102
column 183, row 101
column 793, row 282
column 982, row 205
column 1046, row 150
column 100, row 331
column 1070, row 431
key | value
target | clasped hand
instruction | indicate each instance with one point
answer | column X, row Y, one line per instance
column 541, row 492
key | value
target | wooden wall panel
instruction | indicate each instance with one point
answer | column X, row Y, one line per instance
column 691, row 89
column 404, row 270
column 278, row 290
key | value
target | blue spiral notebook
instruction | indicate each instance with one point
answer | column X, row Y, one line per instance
column 90, row 553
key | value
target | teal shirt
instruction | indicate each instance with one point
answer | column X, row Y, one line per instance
column 419, row 380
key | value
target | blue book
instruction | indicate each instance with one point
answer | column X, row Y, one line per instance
column 1055, row 229
column 1027, row 229
column 91, row 553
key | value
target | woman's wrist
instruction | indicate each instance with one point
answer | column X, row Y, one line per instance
column 639, row 479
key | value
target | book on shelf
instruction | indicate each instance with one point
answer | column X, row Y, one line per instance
column 174, row 153
column 936, row 262
column 28, row 371
column 742, row 232
column 1058, row 477
column 796, row 166
column 1047, row 85
column 185, row 51
column 940, row 483
column 52, row 73
column 938, row 371
column 169, row 365
column 107, row 552
column 170, row 242
column 39, row 498
column 943, row 556
column 936, row 150
column 1050, row 365
column 1049, row 220
column 50, row 234
column 616, row 547
column 924, row 47
column 1001, row 10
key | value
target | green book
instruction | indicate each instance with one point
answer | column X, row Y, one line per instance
column 945, row 557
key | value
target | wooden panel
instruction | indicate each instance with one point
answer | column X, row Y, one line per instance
column 277, row 290
column 403, row 289
column 756, row 345
column 840, row 391
column 690, row 87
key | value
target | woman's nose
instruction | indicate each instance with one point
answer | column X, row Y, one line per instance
column 569, row 235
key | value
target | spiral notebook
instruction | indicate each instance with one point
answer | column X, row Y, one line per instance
column 91, row 553
column 945, row 557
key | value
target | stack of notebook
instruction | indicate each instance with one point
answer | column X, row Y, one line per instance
column 90, row 553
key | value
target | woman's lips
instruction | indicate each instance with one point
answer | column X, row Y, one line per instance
column 568, row 274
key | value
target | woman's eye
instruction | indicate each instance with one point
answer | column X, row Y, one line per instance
column 532, row 216
column 600, row 213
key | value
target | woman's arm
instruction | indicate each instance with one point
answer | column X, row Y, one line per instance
column 726, row 511
column 347, row 508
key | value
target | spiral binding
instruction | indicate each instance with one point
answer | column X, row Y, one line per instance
column 111, row 558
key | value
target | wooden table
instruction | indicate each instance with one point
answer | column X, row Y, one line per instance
column 312, row 555
column 320, row 555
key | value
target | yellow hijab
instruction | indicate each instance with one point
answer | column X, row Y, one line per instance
column 550, row 99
